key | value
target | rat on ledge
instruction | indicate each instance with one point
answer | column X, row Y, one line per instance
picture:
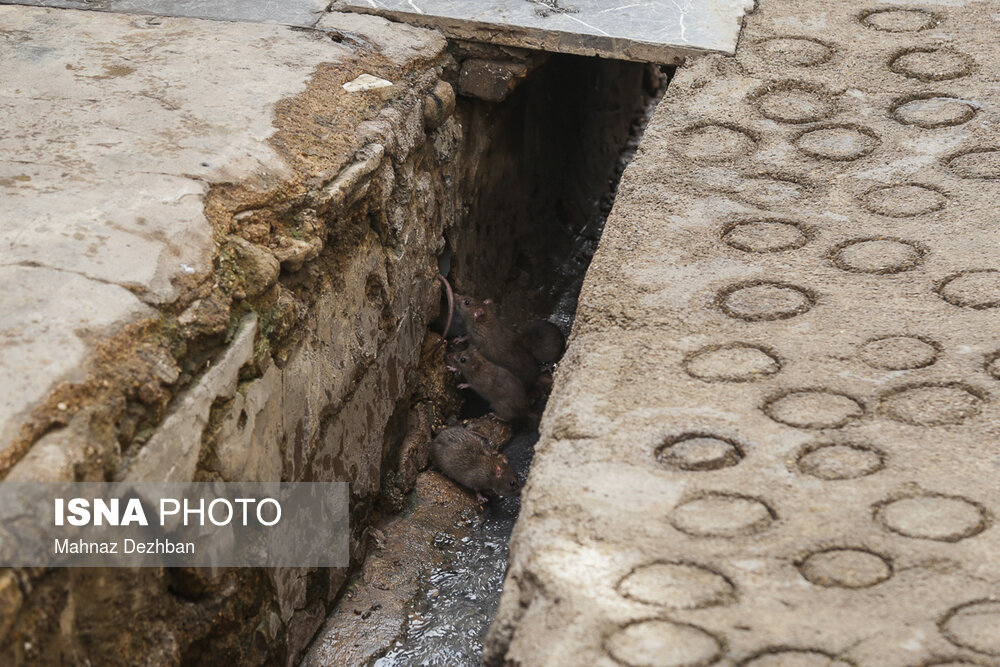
column 497, row 385
column 497, row 342
column 467, row 458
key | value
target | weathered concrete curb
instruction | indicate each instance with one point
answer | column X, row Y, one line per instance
column 206, row 283
column 772, row 440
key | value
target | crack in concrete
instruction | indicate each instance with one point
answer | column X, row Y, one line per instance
column 138, row 290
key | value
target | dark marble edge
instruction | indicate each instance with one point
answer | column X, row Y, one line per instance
column 543, row 39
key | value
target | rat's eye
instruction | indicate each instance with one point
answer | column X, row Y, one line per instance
column 512, row 483
column 466, row 302
column 462, row 360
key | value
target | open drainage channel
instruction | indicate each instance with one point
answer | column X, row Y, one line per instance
column 541, row 170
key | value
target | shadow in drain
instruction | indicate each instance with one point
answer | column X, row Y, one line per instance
column 447, row 626
column 549, row 160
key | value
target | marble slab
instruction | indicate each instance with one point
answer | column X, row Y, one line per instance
column 304, row 13
column 660, row 31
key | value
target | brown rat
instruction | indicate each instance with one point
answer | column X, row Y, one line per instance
column 495, row 340
column 544, row 340
column 467, row 458
column 496, row 384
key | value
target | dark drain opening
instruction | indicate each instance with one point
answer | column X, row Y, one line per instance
column 540, row 171
column 538, row 194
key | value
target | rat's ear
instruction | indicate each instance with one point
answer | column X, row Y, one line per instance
column 479, row 313
column 497, row 470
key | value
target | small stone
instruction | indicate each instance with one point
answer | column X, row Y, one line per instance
column 257, row 268
column 439, row 105
column 150, row 393
column 489, row 80
column 205, row 317
column 293, row 253
column 366, row 82
column 255, row 224
column 161, row 364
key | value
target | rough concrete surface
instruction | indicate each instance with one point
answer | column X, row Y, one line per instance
column 105, row 158
column 773, row 438
column 642, row 30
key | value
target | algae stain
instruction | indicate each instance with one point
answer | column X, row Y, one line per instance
column 113, row 71
column 14, row 180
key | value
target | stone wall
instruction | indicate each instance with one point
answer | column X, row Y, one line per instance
column 287, row 364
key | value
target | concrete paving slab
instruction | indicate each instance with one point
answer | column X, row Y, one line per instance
column 110, row 144
column 643, row 30
column 303, row 13
column 48, row 321
column 773, row 439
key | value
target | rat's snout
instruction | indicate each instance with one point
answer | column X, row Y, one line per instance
column 511, row 484
column 515, row 487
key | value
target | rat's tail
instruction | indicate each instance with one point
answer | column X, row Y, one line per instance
column 451, row 307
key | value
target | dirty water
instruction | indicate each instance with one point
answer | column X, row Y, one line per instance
column 448, row 624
